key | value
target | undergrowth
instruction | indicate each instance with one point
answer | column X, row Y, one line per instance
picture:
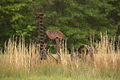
column 21, row 61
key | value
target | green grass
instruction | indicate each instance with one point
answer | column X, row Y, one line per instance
column 53, row 78
column 57, row 72
column 53, row 71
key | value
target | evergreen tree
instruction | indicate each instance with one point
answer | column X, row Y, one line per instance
column 75, row 18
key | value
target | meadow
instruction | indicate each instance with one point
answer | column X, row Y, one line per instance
column 20, row 61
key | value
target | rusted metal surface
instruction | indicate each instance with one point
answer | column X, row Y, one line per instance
column 88, row 51
column 56, row 35
column 41, row 29
column 53, row 34
column 58, row 48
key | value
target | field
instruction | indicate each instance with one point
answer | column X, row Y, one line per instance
column 21, row 62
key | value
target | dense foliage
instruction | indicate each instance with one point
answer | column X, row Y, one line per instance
column 75, row 18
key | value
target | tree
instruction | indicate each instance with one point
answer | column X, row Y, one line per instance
column 12, row 19
column 75, row 18
column 78, row 18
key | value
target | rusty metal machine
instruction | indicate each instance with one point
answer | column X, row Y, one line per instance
column 41, row 29
column 52, row 34
column 85, row 49
column 56, row 35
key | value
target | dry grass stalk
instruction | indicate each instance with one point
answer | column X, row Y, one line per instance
column 105, row 54
column 27, row 56
column 21, row 55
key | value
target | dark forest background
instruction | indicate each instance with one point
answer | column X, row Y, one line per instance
column 77, row 19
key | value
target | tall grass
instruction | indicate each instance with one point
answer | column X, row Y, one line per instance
column 20, row 59
column 105, row 54
column 20, row 55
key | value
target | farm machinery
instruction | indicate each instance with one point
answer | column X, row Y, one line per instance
column 57, row 36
